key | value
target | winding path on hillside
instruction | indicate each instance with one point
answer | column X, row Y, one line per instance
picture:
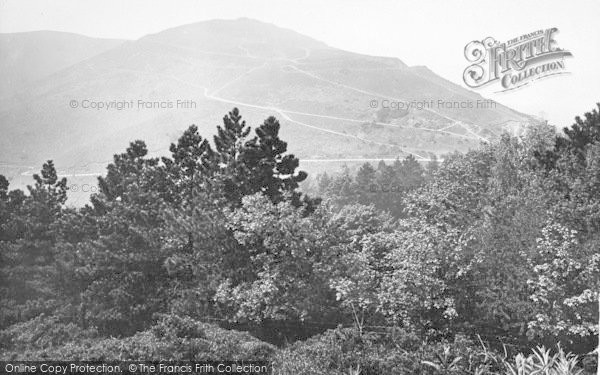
column 379, row 95
column 307, row 54
column 287, row 114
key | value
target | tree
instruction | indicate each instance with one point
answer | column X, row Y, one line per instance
column 190, row 165
column 365, row 180
column 272, row 172
column 132, row 178
column 432, row 166
column 323, row 181
column 415, row 292
column 122, row 270
column 482, row 212
column 342, row 189
column 188, row 172
column 27, row 246
column 248, row 166
column 582, row 133
column 285, row 254
column 119, row 262
column 231, row 174
column 565, row 284
column 357, row 270
column 566, row 269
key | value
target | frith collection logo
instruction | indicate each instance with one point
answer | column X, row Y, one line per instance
column 514, row 63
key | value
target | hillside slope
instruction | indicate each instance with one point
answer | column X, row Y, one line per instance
column 29, row 56
column 330, row 102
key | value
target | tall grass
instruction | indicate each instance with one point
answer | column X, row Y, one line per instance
column 542, row 362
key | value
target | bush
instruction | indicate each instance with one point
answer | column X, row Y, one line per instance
column 344, row 351
column 42, row 332
column 171, row 338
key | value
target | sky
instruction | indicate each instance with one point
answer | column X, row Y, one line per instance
column 424, row 32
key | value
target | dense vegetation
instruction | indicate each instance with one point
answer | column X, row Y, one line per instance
column 452, row 267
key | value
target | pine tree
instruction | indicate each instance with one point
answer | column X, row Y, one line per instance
column 260, row 164
column 365, row 181
column 575, row 140
column 323, row 183
column 432, row 166
column 126, row 169
column 190, row 165
column 231, row 174
column 27, row 247
column 271, row 172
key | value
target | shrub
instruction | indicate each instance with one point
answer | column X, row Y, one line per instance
column 171, row 338
column 42, row 332
column 344, row 351
column 542, row 361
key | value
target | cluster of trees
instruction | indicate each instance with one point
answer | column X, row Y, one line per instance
column 500, row 242
column 385, row 187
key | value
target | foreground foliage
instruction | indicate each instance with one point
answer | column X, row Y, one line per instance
column 500, row 243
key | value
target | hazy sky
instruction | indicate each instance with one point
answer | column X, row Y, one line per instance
column 431, row 33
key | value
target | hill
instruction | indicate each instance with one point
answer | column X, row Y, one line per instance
column 332, row 103
column 29, row 56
